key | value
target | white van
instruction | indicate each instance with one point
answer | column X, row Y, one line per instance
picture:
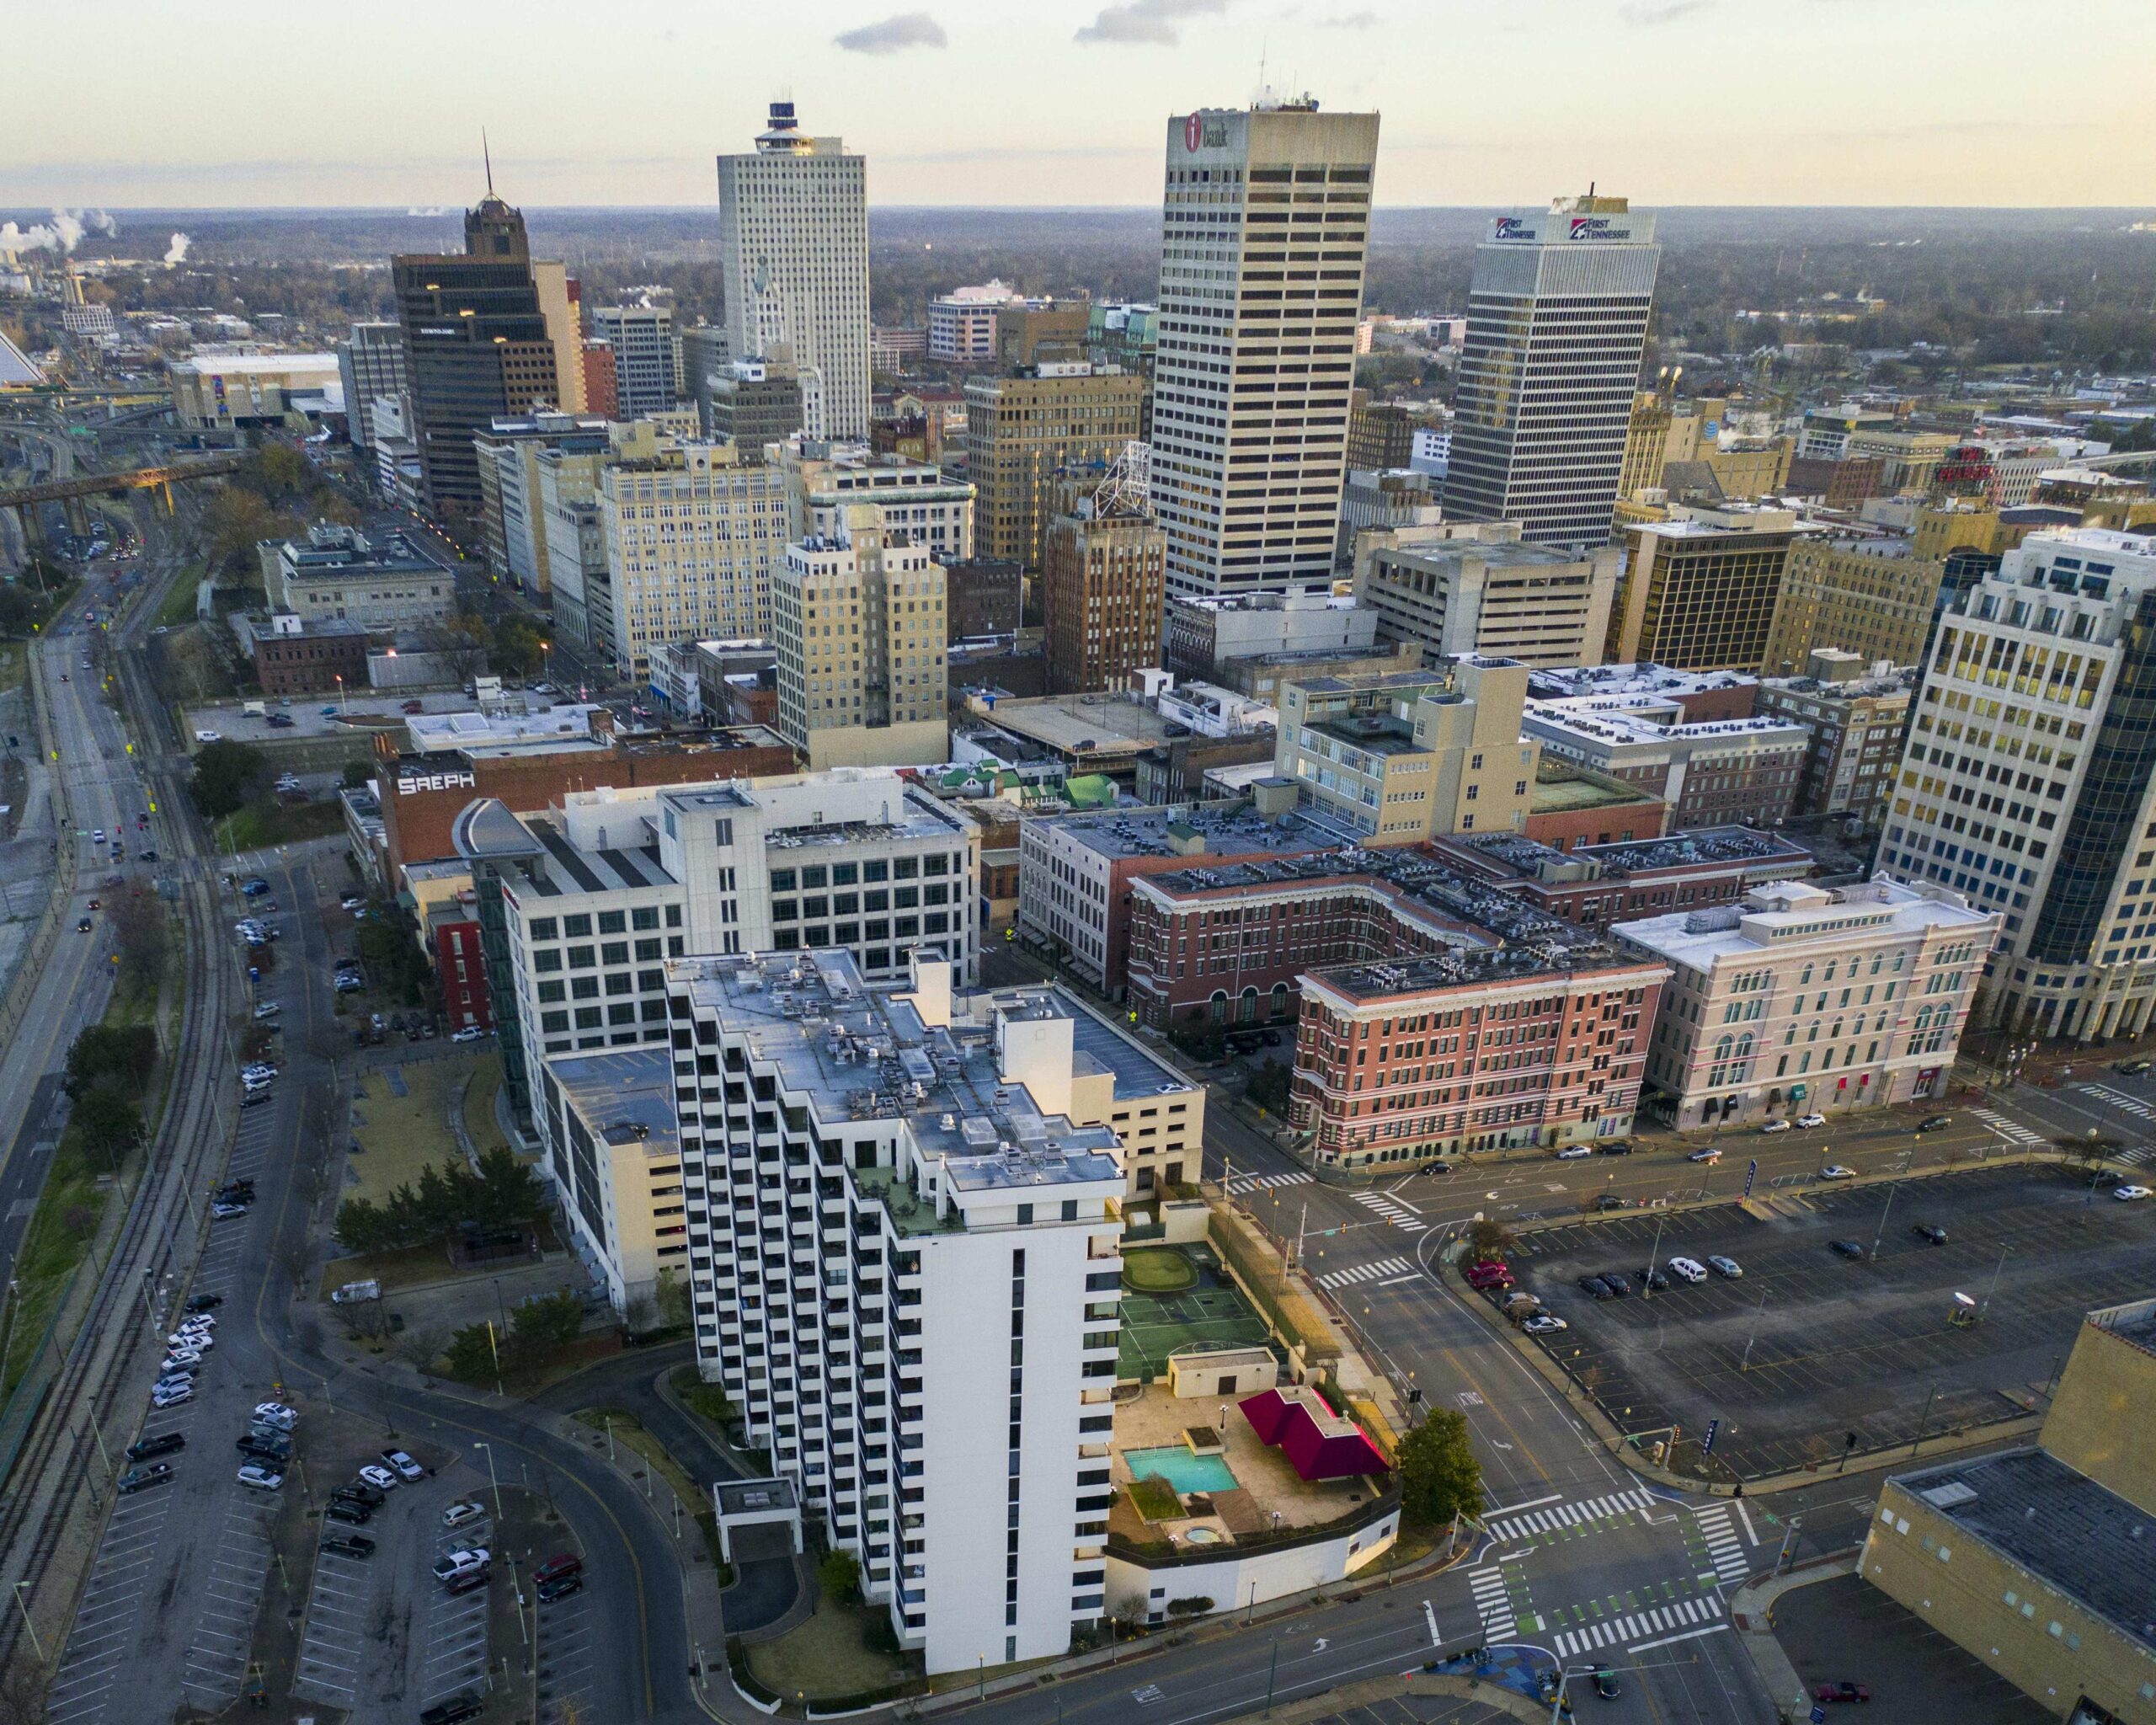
column 1687, row 1268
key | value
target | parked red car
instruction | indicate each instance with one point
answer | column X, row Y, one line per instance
column 1489, row 1273
column 1841, row 1692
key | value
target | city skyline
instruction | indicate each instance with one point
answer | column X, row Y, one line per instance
column 961, row 104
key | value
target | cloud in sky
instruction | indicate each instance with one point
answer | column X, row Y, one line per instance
column 895, row 35
column 1669, row 13
column 1365, row 19
column 1151, row 23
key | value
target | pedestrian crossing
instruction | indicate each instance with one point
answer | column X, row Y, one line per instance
column 1265, row 1182
column 2119, row 1099
column 1399, row 1215
column 2013, row 1131
column 1368, row 1272
column 1560, row 1516
column 1493, row 1602
column 1637, row 1626
column 1725, row 1550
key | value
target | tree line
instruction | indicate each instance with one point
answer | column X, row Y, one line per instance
column 502, row 1193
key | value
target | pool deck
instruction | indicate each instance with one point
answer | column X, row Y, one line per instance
column 1267, row 1482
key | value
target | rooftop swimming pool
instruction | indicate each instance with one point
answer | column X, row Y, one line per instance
column 1181, row 1469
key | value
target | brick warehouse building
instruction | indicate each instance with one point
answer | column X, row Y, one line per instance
column 1524, row 1030
column 423, row 795
column 1595, row 885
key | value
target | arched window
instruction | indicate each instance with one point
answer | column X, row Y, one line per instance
column 1248, row 1012
column 1721, row 1049
column 1219, row 1005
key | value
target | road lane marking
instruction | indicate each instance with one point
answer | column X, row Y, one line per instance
column 1672, row 1640
column 1430, row 1617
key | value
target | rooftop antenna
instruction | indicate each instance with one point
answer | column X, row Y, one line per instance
column 487, row 156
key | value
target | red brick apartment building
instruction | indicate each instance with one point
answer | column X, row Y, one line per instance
column 1494, row 1023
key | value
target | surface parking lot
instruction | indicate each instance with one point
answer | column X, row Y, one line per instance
column 1808, row 1345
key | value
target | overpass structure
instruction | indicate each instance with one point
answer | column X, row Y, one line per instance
column 75, row 491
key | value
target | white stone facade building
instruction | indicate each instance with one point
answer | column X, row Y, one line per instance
column 1802, row 999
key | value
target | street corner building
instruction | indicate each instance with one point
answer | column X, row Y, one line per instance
column 905, row 1208
column 2039, row 1562
column 1806, row 998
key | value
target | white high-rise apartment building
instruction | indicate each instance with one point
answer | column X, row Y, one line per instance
column 2028, row 780
column 905, row 1257
column 644, row 350
column 822, row 485
column 1265, row 225
column 1557, row 324
column 793, row 242
column 692, row 534
column 859, row 622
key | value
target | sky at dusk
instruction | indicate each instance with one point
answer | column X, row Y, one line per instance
column 1065, row 102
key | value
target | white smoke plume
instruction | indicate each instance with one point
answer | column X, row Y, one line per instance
column 176, row 253
column 431, row 210
column 63, row 233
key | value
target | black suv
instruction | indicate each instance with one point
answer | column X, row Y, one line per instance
column 203, row 1302
column 561, row 1587
column 1594, row 1285
column 1616, row 1146
column 344, row 1510
column 1930, row 1233
column 358, row 1490
column 266, row 1446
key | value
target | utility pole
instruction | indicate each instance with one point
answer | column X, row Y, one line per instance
column 1926, row 1420
column 1746, row 1364
column 1272, row 1671
column 1884, row 1210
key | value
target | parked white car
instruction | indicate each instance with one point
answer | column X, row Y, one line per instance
column 1811, row 1120
column 1690, row 1269
column 452, row 1564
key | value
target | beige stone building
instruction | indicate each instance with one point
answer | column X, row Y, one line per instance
column 1021, row 432
column 1872, row 597
column 2038, row 1561
column 1392, row 760
column 860, row 625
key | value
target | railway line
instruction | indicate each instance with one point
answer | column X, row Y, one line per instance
column 92, row 1408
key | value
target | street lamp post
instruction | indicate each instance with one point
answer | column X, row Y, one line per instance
column 27, row 1623
column 494, row 1480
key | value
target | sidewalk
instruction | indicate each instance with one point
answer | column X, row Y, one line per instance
column 1751, row 1610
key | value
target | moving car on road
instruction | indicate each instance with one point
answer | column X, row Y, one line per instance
column 1934, row 1123
column 2130, row 1194
column 1704, row 1155
column 1835, row 1171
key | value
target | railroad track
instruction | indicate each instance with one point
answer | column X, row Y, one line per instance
column 162, row 1231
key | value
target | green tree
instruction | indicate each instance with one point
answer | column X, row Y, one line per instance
column 509, row 1190
column 518, row 648
column 840, row 1572
column 116, row 1056
column 1490, row 1239
column 472, row 1353
column 1268, row 1087
column 671, row 1297
column 228, row 776
column 1439, row 1477
column 356, row 773
column 361, row 1227
column 143, row 934
column 110, row 1124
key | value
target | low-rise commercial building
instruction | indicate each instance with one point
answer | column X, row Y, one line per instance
column 1857, row 712
column 381, row 582
column 227, row 392
column 1595, row 885
column 2035, row 1561
column 1492, row 594
column 1075, row 872
column 1202, row 635
column 296, row 655
column 1711, row 772
column 1800, row 1000
column 1569, row 806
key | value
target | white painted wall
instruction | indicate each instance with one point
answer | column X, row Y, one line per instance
column 1273, row 1573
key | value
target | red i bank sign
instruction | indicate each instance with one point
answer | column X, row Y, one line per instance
column 1193, row 133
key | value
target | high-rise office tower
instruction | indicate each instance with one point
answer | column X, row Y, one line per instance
column 1022, row 430
column 371, row 361
column 2028, row 783
column 642, row 340
column 858, row 617
column 477, row 344
column 793, row 242
column 1265, row 225
column 1557, row 324
column 1103, row 589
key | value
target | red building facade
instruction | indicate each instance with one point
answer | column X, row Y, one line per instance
column 465, row 1000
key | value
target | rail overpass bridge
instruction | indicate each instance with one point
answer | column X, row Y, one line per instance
column 74, row 492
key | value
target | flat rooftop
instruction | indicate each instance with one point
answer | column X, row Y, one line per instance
column 1233, row 830
column 1699, row 938
column 1113, row 724
column 2059, row 1524
column 1527, row 856
column 562, row 868
column 1558, row 792
column 1640, row 678
column 859, row 1053
column 627, row 1096
column 1614, row 720
column 516, row 727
